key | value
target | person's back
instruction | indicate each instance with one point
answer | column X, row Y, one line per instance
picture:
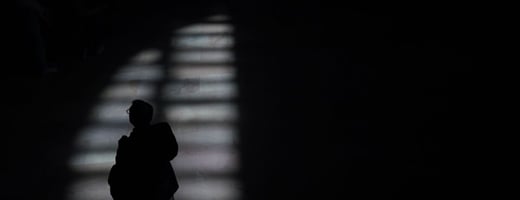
column 155, row 143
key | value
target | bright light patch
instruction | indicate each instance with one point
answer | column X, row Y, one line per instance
column 93, row 162
column 99, row 137
column 139, row 73
column 111, row 112
column 131, row 90
column 92, row 188
column 208, row 28
column 203, row 57
column 201, row 113
column 205, row 135
column 207, row 188
column 207, row 160
column 203, row 73
column 202, row 42
column 148, row 56
column 199, row 91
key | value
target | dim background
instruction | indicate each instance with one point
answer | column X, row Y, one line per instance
column 350, row 100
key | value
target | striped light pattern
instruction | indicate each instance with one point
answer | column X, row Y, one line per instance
column 191, row 86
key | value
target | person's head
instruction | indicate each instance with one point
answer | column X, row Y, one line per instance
column 140, row 113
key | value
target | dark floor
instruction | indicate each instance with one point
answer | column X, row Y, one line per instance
column 354, row 101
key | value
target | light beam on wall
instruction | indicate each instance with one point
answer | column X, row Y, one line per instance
column 195, row 93
column 203, row 73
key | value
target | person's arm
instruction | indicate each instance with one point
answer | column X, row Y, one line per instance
column 122, row 149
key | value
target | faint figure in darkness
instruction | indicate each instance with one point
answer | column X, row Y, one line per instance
column 143, row 170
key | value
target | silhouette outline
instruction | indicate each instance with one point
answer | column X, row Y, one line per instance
column 142, row 169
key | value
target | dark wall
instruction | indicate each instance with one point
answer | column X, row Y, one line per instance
column 368, row 100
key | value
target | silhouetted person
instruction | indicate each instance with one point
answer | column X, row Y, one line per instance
column 143, row 170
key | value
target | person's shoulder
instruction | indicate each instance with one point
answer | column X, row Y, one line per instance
column 161, row 125
column 162, row 128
